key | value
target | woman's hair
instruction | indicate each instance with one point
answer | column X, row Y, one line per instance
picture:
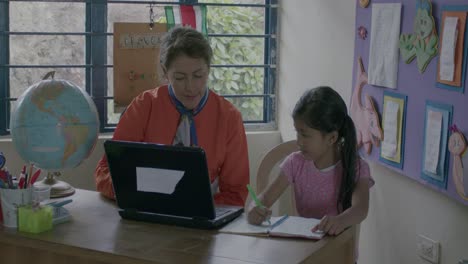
column 323, row 109
column 184, row 41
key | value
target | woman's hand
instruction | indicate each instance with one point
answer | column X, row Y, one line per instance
column 258, row 214
column 331, row 225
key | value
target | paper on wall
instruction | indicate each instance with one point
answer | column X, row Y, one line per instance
column 447, row 54
column 385, row 35
column 389, row 145
column 432, row 141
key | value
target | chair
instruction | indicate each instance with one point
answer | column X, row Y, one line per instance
column 269, row 161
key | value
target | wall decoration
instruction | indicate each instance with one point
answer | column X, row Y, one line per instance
column 437, row 121
column 423, row 42
column 362, row 32
column 383, row 51
column 365, row 117
column 424, row 96
column 457, row 147
column 451, row 64
column 364, row 3
column 134, row 73
column 393, row 125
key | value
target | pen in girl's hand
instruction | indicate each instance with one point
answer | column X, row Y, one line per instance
column 256, row 200
column 254, row 197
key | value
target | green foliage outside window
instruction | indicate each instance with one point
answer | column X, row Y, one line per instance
column 238, row 50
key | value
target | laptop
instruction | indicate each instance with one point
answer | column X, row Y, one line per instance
column 165, row 184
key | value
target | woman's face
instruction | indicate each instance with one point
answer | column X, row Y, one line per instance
column 188, row 77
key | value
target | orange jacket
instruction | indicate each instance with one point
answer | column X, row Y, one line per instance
column 152, row 117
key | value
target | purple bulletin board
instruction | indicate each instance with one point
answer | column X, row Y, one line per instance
column 419, row 88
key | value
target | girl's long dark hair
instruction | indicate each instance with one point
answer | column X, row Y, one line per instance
column 322, row 108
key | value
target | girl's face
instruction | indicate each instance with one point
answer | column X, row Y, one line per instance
column 188, row 77
column 315, row 145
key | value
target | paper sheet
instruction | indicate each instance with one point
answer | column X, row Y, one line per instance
column 385, row 35
column 297, row 226
column 389, row 145
column 447, row 54
column 242, row 226
column 157, row 180
column 432, row 141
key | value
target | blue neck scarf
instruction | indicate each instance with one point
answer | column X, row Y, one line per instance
column 186, row 133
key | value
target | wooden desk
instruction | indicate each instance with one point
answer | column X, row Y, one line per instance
column 97, row 234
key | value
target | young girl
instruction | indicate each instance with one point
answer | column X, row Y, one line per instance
column 330, row 181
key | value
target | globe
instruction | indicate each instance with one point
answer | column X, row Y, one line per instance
column 54, row 125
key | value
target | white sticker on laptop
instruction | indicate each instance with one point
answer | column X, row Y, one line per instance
column 157, row 180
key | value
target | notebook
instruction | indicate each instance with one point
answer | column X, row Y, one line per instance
column 165, row 184
column 281, row 226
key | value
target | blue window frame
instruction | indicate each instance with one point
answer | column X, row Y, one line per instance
column 257, row 104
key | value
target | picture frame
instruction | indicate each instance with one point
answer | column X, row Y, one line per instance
column 439, row 175
column 461, row 48
column 398, row 126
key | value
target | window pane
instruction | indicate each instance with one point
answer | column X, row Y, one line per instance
column 232, row 51
column 227, row 81
column 12, row 108
column 22, row 78
column 259, row 2
column 47, row 17
column 132, row 13
column 110, row 60
column 250, row 108
column 235, row 20
column 113, row 114
column 37, row 50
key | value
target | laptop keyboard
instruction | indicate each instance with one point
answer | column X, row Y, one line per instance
column 219, row 211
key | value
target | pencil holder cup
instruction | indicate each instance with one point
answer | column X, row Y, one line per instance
column 11, row 200
column 41, row 194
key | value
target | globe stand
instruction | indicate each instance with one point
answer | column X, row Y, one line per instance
column 58, row 188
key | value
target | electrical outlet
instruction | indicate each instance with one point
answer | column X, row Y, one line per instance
column 428, row 249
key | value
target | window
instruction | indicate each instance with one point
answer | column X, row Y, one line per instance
column 74, row 39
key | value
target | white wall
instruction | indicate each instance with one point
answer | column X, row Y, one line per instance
column 316, row 48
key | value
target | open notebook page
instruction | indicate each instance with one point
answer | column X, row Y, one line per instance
column 242, row 226
column 295, row 226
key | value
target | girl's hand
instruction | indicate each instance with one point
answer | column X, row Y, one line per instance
column 258, row 214
column 331, row 225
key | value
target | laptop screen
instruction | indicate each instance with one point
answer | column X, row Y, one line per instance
column 163, row 179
